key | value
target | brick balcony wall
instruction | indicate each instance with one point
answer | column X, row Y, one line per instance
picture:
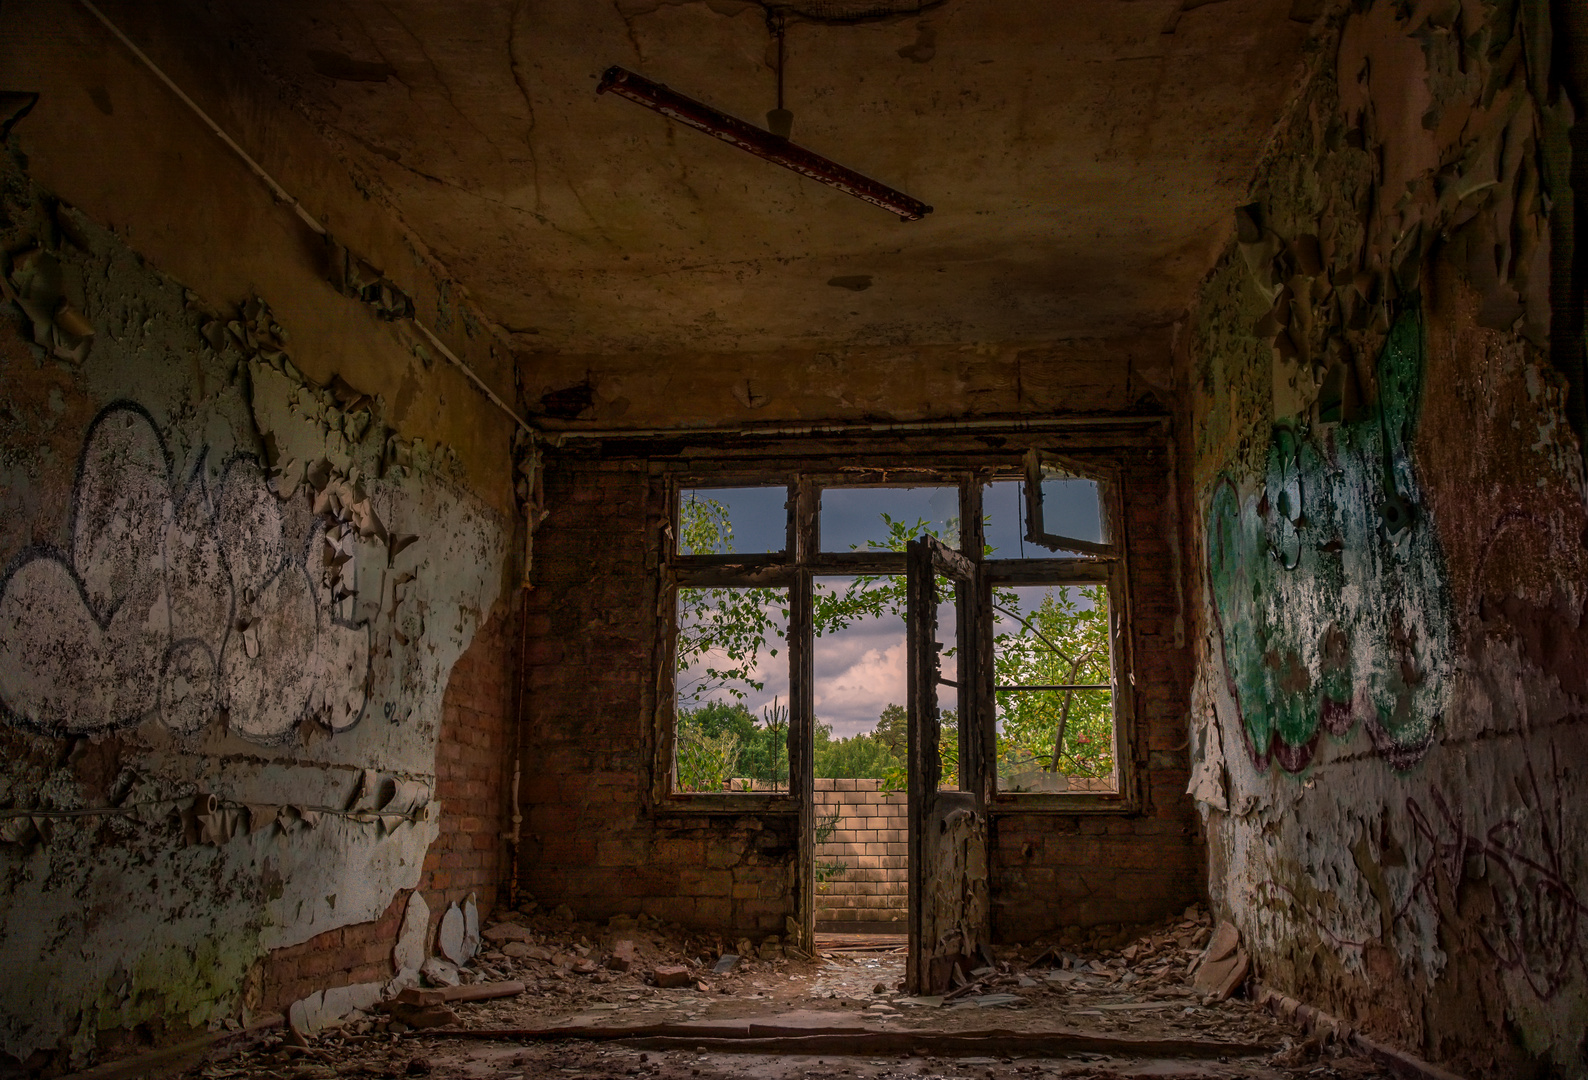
column 871, row 843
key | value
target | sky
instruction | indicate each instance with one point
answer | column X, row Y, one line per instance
column 853, row 516
column 860, row 670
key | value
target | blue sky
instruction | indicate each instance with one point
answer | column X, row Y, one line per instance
column 853, row 516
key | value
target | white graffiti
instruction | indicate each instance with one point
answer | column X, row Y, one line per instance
column 176, row 602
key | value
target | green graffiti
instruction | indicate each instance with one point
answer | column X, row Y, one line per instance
column 1329, row 583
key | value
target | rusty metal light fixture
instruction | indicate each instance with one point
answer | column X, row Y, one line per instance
column 758, row 141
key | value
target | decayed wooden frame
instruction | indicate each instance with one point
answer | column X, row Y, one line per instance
column 796, row 567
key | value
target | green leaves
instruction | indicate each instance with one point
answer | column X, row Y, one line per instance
column 721, row 633
column 704, row 527
column 719, row 741
column 1063, row 642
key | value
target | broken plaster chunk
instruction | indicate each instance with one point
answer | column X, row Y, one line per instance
column 523, row 950
column 505, row 932
column 409, row 951
column 449, row 938
column 439, row 972
column 471, row 928
column 303, row 1014
column 405, row 979
column 339, row 1001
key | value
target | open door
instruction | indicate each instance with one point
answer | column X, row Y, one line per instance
column 950, row 911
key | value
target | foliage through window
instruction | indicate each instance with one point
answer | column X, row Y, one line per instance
column 1058, row 728
column 1051, row 724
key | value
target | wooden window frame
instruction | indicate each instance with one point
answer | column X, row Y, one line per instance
column 802, row 561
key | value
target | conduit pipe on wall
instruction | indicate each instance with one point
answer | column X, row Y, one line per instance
column 867, row 427
column 534, row 514
column 533, row 511
column 285, row 196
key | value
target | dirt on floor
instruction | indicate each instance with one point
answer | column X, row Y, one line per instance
column 1049, row 1009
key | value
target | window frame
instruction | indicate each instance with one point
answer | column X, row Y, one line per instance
column 802, row 560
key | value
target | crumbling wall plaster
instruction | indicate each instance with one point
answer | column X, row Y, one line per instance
column 230, row 603
column 109, row 138
column 1389, row 505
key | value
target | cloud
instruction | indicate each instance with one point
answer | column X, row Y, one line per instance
column 856, row 681
column 857, row 672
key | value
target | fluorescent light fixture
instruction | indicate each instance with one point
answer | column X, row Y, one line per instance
column 758, row 141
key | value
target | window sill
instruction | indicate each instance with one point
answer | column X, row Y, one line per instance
column 1094, row 803
column 727, row 802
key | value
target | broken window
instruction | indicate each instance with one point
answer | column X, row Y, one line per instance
column 787, row 601
column 1064, row 510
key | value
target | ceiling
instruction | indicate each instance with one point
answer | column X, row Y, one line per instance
column 1082, row 157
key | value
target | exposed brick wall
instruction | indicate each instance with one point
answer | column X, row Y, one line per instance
column 473, row 769
column 594, row 842
column 1055, row 870
column 871, row 842
column 353, row 954
column 590, row 839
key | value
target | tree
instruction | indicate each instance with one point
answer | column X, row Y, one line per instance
column 721, row 735
column 858, row 756
column 1063, row 642
column 722, row 630
column 893, row 730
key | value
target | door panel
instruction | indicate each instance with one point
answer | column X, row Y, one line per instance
column 950, row 913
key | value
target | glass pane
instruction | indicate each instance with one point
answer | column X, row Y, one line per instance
column 1003, row 522
column 741, row 520
column 1071, row 506
column 884, row 518
column 732, row 690
column 1061, row 737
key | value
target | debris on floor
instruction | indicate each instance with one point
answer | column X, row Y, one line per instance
column 636, row 997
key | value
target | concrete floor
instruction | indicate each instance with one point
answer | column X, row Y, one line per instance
column 848, row 991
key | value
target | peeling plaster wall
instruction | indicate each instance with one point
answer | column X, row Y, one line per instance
column 230, row 603
column 1388, row 520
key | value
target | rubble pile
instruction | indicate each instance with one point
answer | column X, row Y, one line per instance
column 533, row 969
